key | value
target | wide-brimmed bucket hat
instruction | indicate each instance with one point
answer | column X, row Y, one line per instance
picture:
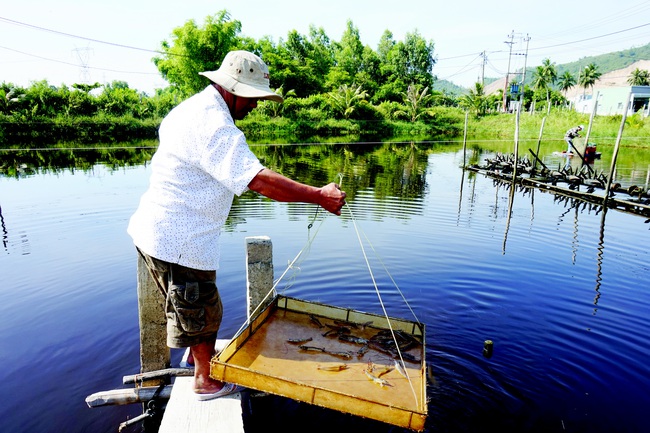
column 242, row 73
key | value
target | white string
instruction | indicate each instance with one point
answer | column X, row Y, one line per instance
column 391, row 278
column 381, row 302
column 290, row 266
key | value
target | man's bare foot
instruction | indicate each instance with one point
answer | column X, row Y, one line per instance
column 207, row 386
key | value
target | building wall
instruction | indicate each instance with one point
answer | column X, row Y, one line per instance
column 612, row 100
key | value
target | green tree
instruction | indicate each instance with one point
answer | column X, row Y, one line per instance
column 415, row 102
column 43, row 99
column 639, row 77
column 544, row 77
column 86, row 88
column 475, row 100
column 118, row 99
column 195, row 49
column 274, row 109
column 402, row 64
column 346, row 99
column 10, row 97
column 348, row 53
column 589, row 76
column 415, row 60
column 565, row 82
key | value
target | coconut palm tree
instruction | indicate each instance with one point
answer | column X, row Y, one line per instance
column 545, row 76
column 565, row 82
column 475, row 100
column 639, row 77
column 589, row 76
column 415, row 102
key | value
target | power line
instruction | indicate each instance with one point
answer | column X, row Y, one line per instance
column 592, row 38
column 10, row 21
column 76, row 65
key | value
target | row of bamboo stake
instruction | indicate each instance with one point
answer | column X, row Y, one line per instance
column 539, row 140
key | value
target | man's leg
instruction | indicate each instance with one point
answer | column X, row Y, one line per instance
column 203, row 383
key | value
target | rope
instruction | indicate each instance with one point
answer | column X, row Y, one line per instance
column 381, row 302
column 292, row 266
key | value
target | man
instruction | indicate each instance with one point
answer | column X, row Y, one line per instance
column 202, row 161
column 570, row 135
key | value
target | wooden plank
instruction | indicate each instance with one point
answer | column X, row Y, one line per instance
column 184, row 413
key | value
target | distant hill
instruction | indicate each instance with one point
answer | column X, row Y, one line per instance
column 448, row 88
column 605, row 62
column 615, row 68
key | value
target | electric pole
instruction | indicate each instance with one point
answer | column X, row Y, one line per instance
column 483, row 68
column 505, row 87
column 523, row 77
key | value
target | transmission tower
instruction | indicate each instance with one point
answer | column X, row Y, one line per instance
column 83, row 54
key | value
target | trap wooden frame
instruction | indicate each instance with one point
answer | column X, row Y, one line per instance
column 261, row 357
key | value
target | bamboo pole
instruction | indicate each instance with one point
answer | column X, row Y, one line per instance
column 615, row 154
column 591, row 119
column 465, row 142
column 167, row 372
column 516, row 161
column 539, row 143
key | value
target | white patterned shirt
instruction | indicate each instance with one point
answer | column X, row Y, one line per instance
column 202, row 161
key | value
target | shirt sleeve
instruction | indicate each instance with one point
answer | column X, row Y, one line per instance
column 230, row 161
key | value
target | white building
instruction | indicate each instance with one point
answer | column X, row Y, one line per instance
column 614, row 100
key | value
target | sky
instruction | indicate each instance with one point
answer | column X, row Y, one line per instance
column 67, row 42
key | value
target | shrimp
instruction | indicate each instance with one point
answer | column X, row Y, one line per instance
column 377, row 380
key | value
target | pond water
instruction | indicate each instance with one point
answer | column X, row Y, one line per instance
column 561, row 288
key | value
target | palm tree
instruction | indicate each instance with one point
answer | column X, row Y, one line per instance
column 274, row 109
column 589, row 76
column 545, row 76
column 475, row 100
column 415, row 102
column 565, row 82
column 639, row 77
column 347, row 98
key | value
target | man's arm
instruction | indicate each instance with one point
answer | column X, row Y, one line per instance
column 280, row 188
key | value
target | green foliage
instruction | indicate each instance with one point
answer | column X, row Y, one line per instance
column 45, row 130
column 346, row 99
column 476, row 101
column 195, row 49
column 415, row 103
column 330, row 87
column 639, row 77
column 589, row 76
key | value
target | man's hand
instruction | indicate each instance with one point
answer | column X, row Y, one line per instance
column 280, row 188
column 332, row 198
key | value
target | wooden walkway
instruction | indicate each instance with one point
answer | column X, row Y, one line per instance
column 184, row 413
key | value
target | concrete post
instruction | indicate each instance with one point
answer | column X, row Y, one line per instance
column 259, row 275
column 154, row 353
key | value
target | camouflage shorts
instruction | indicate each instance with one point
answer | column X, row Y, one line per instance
column 192, row 302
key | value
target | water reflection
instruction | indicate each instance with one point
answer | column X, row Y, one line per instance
column 599, row 259
column 5, row 233
column 444, row 239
